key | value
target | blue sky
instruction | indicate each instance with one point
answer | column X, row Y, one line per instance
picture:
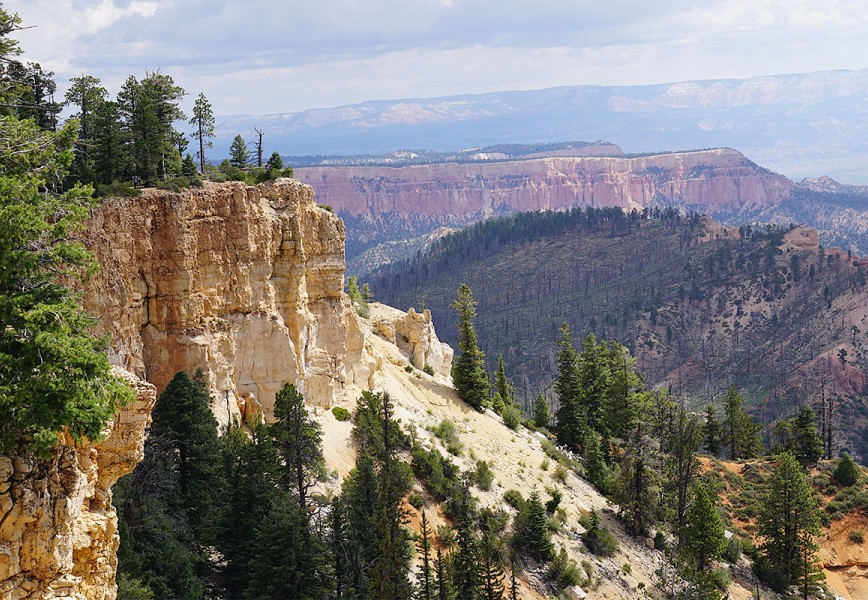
column 260, row 56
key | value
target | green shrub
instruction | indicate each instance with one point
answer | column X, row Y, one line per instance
column 560, row 474
column 552, row 505
column 626, row 569
column 846, row 472
column 483, row 476
column 448, row 434
column 416, row 501
column 720, row 578
column 428, row 369
column 660, row 542
column 408, row 368
column 857, row 536
column 116, row 189
column 598, row 539
column 325, row 207
column 564, row 571
column 544, row 465
column 439, row 475
column 341, row 413
column 733, row 549
column 511, row 417
column 133, row 589
column 514, row 499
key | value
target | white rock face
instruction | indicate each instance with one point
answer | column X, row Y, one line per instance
column 414, row 334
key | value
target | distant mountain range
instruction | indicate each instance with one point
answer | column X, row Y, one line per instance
column 798, row 125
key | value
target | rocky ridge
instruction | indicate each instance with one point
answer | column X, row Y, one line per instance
column 383, row 203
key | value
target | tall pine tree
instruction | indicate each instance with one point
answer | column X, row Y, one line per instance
column 468, row 369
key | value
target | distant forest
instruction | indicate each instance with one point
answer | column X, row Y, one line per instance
column 699, row 308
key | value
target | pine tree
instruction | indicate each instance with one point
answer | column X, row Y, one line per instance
column 808, row 445
column 274, row 163
column 789, row 522
column 445, row 590
column 711, row 431
column 681, row 466
column 637, row 483
column 425, row 579
column 846, row 472
column 203, row 120
column 288, row 560
column 572, row 420
column 704, row 538
column 537, row 537
column 594, row 381
column 490, row 570
column 541, row 415
column 468, row 369
column 501, row 385
column 239, row 156
column 87, row 94
column 596, row 470
column 298, row 439
column 624, row 383
column 183, row 414
column 465, row 570
column 740, row 431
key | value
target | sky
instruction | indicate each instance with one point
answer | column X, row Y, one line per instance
column 273, row 56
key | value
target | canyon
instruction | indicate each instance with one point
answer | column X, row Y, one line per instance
column 381, row 204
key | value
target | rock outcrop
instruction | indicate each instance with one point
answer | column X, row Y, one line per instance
column 58, row 528
column 414, row 334
column 245, row 283
column 382, row 203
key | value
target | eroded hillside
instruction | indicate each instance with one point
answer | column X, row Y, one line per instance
column 701, row 306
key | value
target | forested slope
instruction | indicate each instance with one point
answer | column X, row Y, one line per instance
column 701, row 306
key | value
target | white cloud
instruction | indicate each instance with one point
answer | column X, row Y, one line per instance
column 259, row 56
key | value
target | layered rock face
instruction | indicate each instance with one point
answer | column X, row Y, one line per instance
column 245, row 283
column 58, row 528
column 381, row 203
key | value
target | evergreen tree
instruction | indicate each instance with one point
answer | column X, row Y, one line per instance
column 497, row 403
column 846, row 472
column 274, row 163
column 425, row 579
column 596, row 470
column 183, row 414
column 108, row 143
column 740, row 431
column 594, row 381
column 289, row 560
column 490, row 569
column 704, row 538
column 541, row 415
column 808, row 445
column 88, row 95
column 788, row 522
column 711, row 431
column 572, row 420
column 468, row 369
column 379, row 548
column 465, row 569
column 637, row 483
column 203, row 121
column 501, row 385
column 624, row 383
column 239, row 156
column 445, row 590
column 298, row 439
column 681, row 465
column 537, row 537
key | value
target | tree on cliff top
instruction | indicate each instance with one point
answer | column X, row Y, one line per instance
column 54, row 374
column 468, row 370
column 203, row 119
